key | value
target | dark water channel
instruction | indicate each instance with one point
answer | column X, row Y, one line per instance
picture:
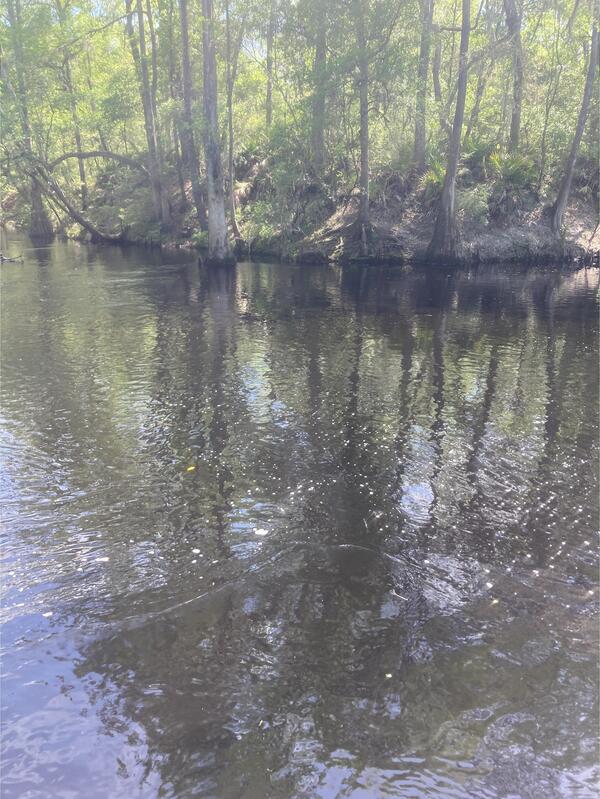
column 297, row 532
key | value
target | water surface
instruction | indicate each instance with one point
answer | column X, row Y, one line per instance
column 297, row 532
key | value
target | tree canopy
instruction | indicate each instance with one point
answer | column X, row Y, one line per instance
column 275, row 113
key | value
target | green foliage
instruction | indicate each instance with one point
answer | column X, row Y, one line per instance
column 432, row 182
column 513, row 170
column 472, row 204
column 259, row 221
column 586, row 178
column 82, row 85
column 287, row 159
column 200, row 239
column 477, row 156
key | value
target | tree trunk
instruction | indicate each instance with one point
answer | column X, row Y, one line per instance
column 154, row 63
column 422, row 73
column 565, row 186
column 435, row 71
column 513, row 23
column 443, row 241
column 270, row 35
column 48, row 185
column 140, row 58
column 188, row 144
column 218, row 244
column 40, row 226
column 482, row 76
column 318, row 97
column 69, row 86
column 179, row 166
column 90, row 85
column 553, row 84
column 39, row 223
column 175, row 95
column 232, row 57
column 150, row 90
column 165, row 208
column 76, row 130
column 437, row 88
column 363, row 89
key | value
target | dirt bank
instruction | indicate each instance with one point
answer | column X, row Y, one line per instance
column 403, row 234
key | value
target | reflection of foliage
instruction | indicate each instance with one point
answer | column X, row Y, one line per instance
column 307, row 402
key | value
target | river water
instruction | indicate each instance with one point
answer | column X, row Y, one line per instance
column 297, row 531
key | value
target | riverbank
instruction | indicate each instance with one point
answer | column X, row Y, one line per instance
column 403, row 235
column 498, row 221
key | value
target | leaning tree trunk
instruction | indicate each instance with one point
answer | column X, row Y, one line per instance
column 218, row 243
column 39, row 224
column 422, row 72
column 565, row 186
column 483, row 73
column 363, row 94
column 188, row 144
column 443, row 241
column 47, row 184
column 513, row 23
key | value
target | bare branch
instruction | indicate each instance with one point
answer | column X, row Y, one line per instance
column 123, row 159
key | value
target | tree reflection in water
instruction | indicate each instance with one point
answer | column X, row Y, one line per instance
column 377, row 578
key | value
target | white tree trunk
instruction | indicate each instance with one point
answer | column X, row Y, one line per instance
column 218, row 242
